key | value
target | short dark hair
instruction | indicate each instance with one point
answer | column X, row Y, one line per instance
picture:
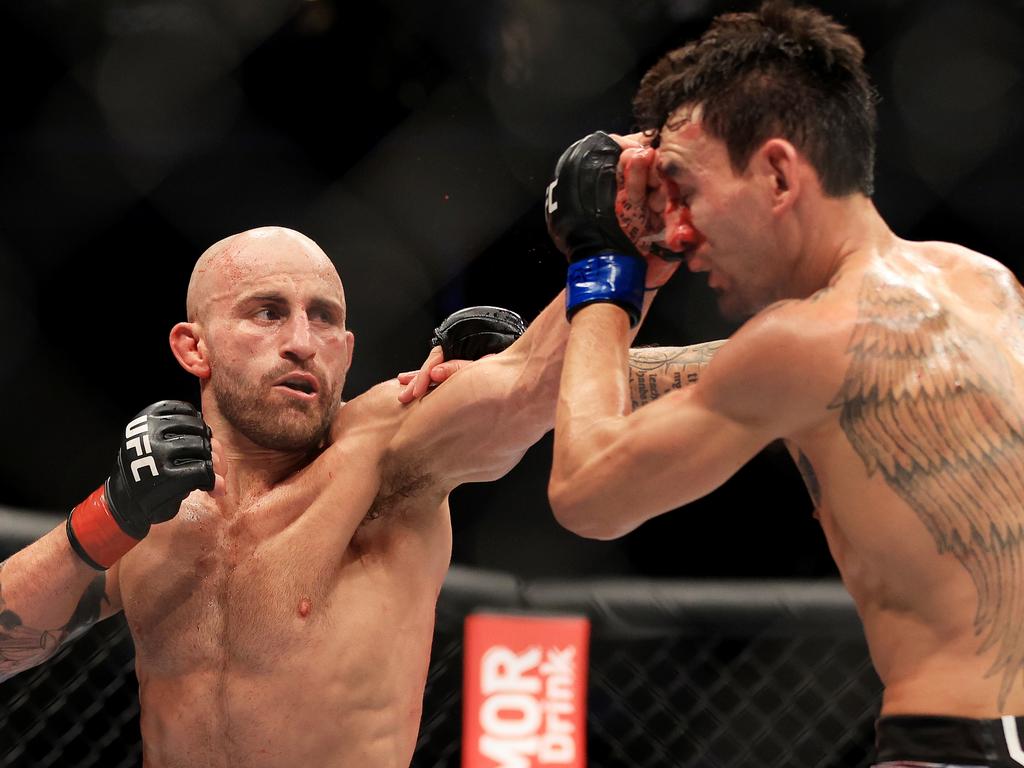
column 780, row 71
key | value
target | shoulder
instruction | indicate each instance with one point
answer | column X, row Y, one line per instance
column 786, row 363
column 376, row 409
column 794, row 332
column 959, row 262
column 972, row 271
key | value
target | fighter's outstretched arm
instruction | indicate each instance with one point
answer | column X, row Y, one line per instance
column 615, row 468
column 480, row 423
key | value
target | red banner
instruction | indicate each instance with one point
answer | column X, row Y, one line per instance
column 524, row 691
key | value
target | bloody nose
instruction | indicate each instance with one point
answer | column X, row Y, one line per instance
column 680, row 234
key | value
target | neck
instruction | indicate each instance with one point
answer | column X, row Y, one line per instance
column 835, row 232
column 250, row 468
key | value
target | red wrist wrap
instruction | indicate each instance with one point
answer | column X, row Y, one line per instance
column 94, row 533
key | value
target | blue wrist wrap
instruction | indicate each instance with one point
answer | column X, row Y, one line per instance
column 613, row 277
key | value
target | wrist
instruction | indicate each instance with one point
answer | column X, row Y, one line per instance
column 95, row 534
column 615, row 278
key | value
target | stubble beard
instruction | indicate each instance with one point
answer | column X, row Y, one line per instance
column 736, row 308
column 741, row 302
column 281, row 426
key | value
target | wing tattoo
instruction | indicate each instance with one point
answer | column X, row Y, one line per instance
column 929, row 403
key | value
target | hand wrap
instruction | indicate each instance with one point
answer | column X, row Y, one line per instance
column 164, row 456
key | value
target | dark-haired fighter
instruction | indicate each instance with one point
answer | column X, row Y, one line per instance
column 894, row 370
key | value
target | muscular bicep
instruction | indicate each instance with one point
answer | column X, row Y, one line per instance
column 478, row 424
column 661, row 457
column 656, row 371
column 773, row 379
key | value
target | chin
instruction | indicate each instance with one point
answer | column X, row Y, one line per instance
column 732, row 309
column 293, row 438
column 738, row 308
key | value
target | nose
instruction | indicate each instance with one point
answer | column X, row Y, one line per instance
column 297, row 342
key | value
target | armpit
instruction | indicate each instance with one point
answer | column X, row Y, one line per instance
column 400, row 491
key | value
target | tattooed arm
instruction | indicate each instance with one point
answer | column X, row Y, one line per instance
column 48, row 596
column 654, row 371
column 615, row 466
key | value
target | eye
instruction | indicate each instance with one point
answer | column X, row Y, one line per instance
column 324, row 314
column 677, row 194
column 268, row 314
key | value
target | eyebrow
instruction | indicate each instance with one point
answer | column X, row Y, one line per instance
column 330, row 305
column 273, row 297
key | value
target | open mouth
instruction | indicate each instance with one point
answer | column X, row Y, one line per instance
column 305, row 384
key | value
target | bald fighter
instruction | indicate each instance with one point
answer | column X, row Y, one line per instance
column 280, row 580
column 285, row 618
column 894, row 370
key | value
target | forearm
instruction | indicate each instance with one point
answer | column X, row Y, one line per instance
column 534, row 365
column 602, row 446
column 47, row 593
column 654, row 371
column 591, row 409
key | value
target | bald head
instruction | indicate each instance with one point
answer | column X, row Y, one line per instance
column 229, row 264
column 263, row 306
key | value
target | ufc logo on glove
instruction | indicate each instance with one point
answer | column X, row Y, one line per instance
column 550, row 204
column 136, row 435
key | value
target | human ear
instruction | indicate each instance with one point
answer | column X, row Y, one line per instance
column 778, row 161
column 189, row 350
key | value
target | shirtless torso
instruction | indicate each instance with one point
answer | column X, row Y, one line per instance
column 286, row 617
column 919, row 464
column 903, row 385
column 293, row 625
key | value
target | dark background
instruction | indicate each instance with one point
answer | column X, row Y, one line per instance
column 413, row 141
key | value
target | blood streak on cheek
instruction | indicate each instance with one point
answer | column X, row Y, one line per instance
column 304, row 607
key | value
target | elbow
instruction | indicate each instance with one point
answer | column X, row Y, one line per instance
column 582, row 514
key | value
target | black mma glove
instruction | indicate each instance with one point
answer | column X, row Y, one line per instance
column 580, row 211
column 165, row 455
column 471, row 333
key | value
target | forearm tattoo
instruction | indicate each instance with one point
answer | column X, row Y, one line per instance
column 930, row 404
column 656, row 370
column 22, row 646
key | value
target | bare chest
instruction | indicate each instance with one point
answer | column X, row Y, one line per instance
column 280, row 577
column 206, row 589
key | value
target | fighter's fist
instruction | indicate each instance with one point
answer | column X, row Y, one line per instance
column 166, row 453
column 580, row 205
column 604, row 266
column 466, row 335
column 473, row 332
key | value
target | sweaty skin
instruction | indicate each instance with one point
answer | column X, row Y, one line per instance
column 894, row 371
column 287, row 618
column 290, row 620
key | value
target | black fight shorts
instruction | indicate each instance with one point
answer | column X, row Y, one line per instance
column 925, row 741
